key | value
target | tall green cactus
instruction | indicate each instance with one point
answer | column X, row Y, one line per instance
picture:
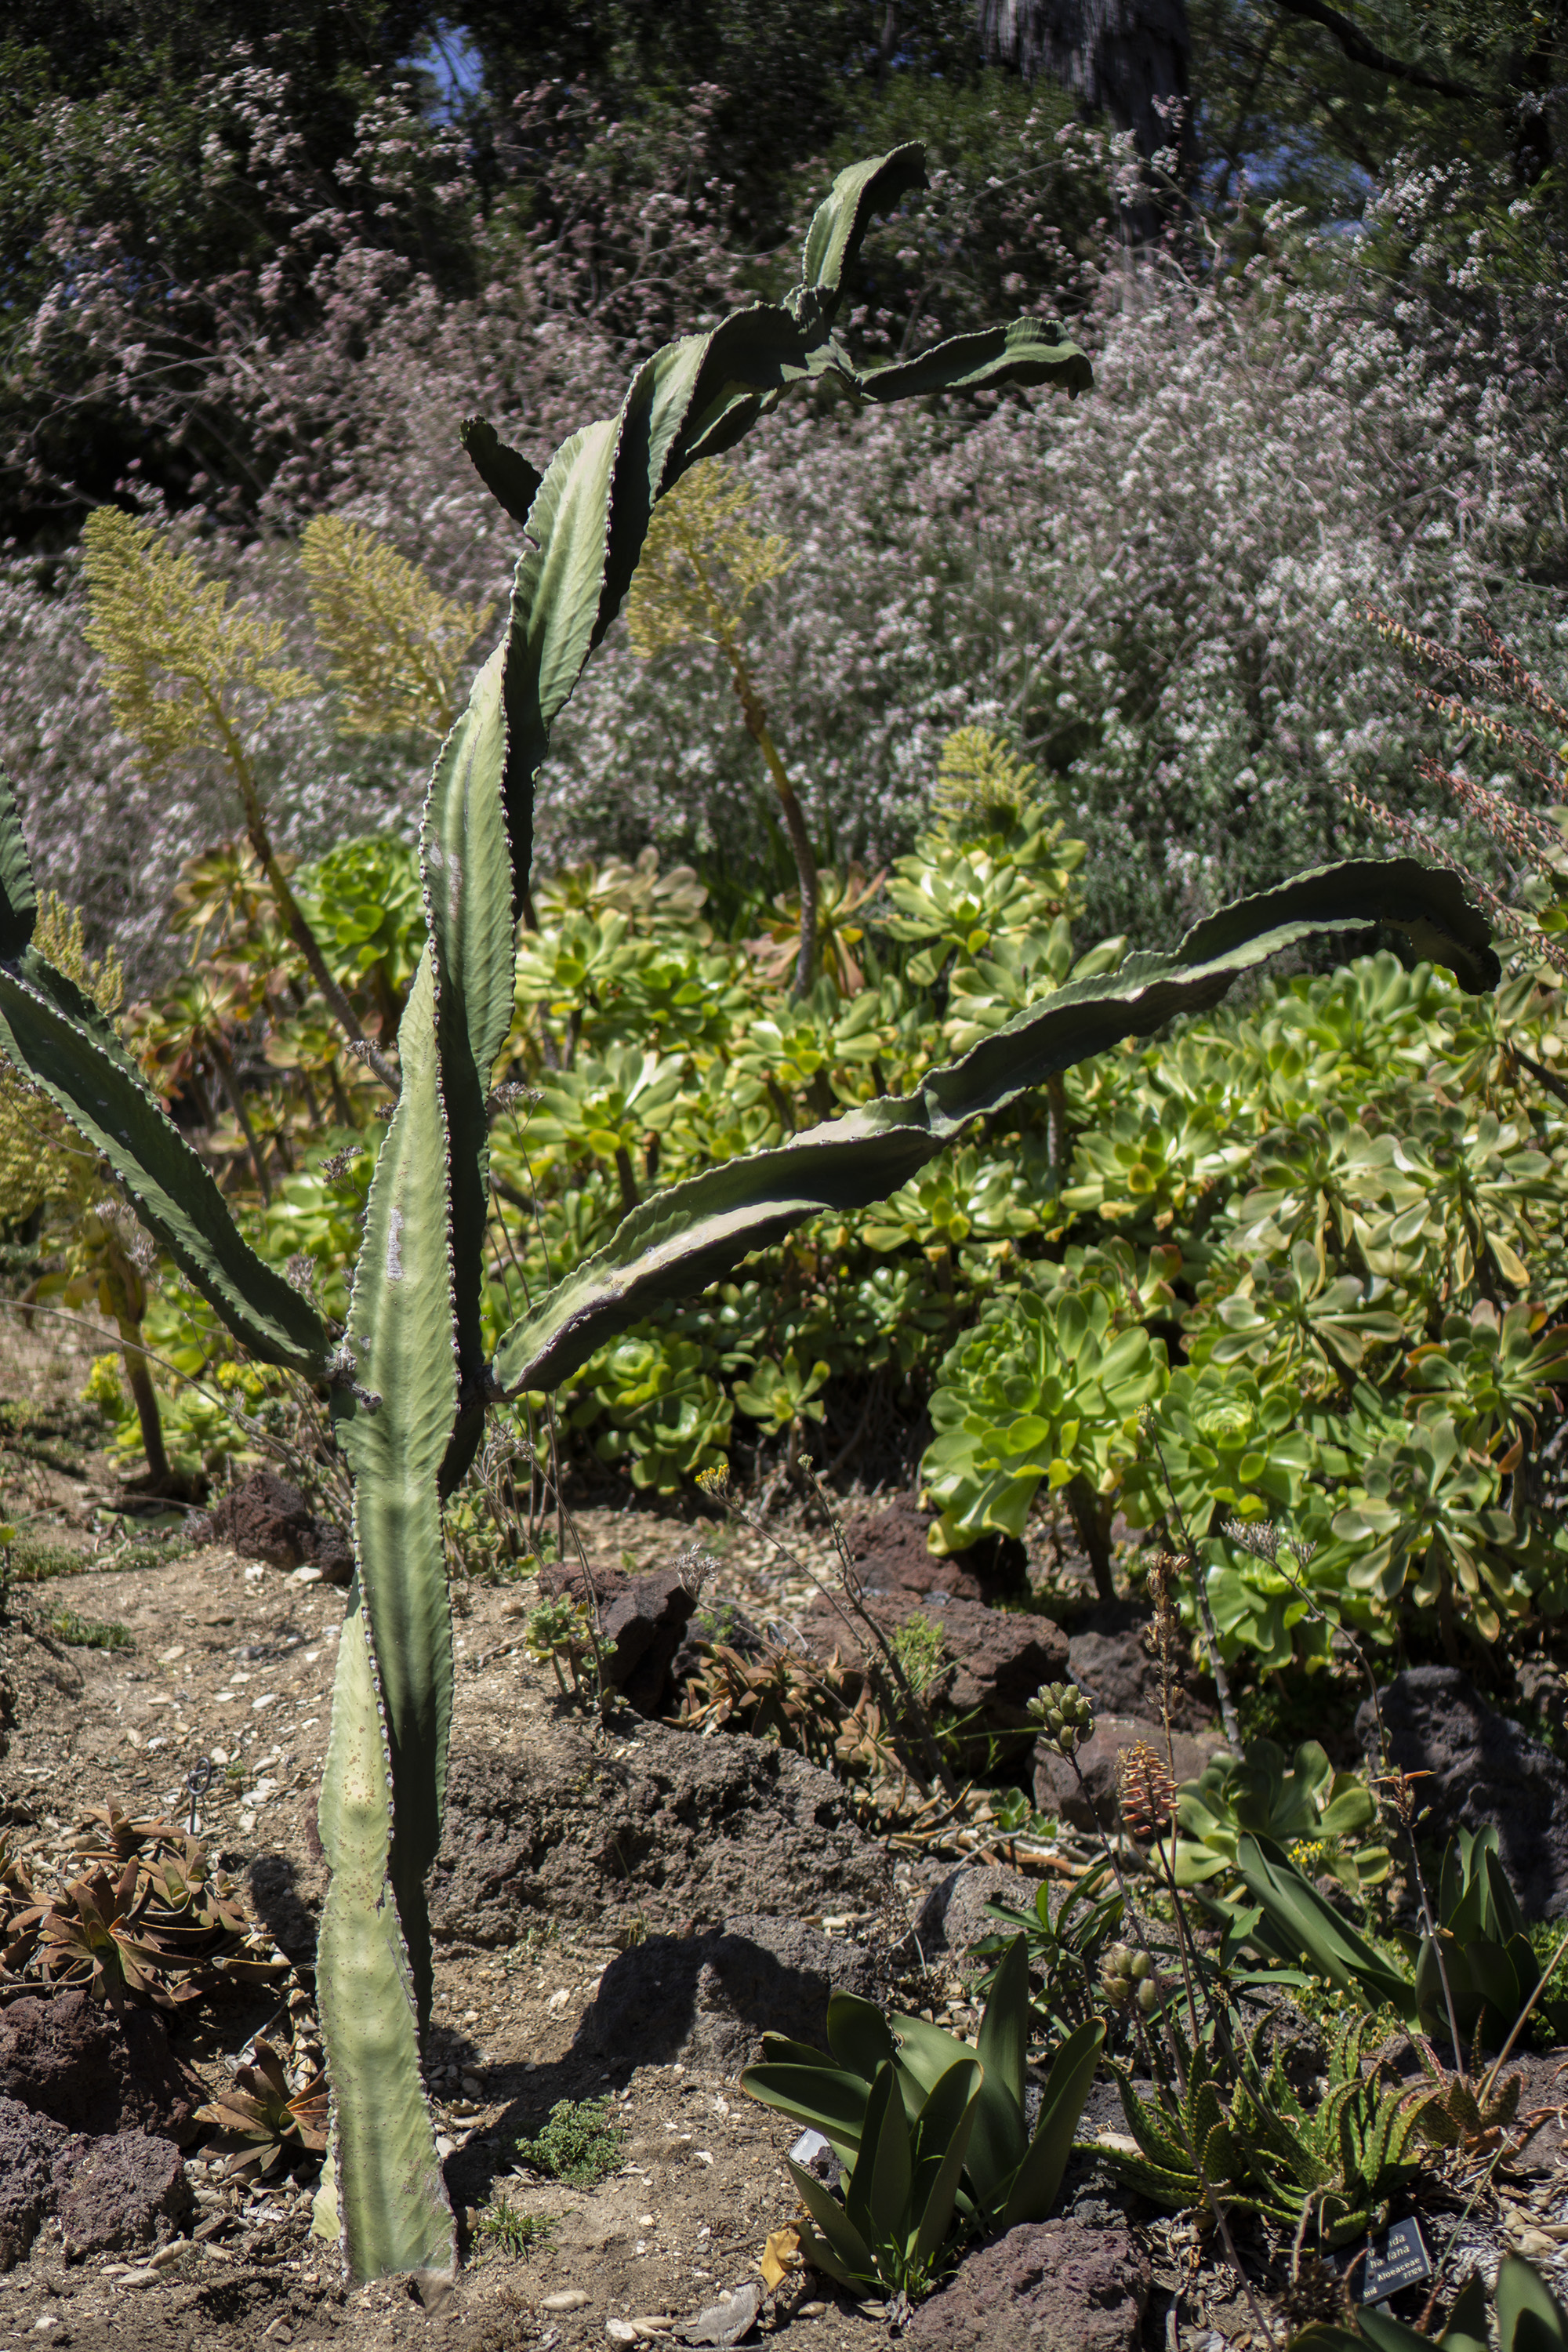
column 409, row 1382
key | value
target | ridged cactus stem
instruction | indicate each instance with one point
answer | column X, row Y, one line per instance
column 288, row 906
column 411, row 1381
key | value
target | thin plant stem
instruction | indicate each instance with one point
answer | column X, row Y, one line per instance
column 1520, row 2023
column 1228, row 1714
column 917, row 1717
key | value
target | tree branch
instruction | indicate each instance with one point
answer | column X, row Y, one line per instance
column 1362, row 51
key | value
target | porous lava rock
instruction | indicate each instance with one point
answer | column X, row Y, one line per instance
column 1484, row 1771
column 889, row 1549
column 69, row 2059
column 642, row 1621
column 657, row 1826
column 708, row 1999
column 1109, row 1658
column 29, row 2144
column 953, row 1917
column 266, row 1518
column 996, row 1659
column 1046, row 2287
column 122, row 2194
column 1057, row 1787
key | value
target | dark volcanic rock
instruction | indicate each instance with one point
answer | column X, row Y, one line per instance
column 709, row 1999
column 28, row 2147
column 642, row 1621
column 1046, row 2286
column 892, row 1554
column 997, row 1658
column 1484, row 1769
column 128, row 2192
column 1056, row 1789
column 1111, row 1664
column 954, row 1915
column 678, row 1832
column 70, row 2059
column 266, row 1518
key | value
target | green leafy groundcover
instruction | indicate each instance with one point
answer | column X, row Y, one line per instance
column 1303, row 1259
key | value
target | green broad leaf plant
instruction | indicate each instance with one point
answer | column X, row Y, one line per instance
column 1490, row 1965
column 1527, row 2315
column 1301, row 1803
column 932, row 2133
column 419, row 1361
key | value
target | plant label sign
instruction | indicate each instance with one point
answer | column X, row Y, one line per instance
column 1395, row 2259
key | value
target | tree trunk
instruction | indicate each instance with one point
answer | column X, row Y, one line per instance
column 1128, row 59
column 146, row 1403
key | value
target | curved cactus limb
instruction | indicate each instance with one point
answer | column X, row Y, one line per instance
column 676, row 1244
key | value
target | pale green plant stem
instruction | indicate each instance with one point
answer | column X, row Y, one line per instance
column 1215, row 2205
column 288, row 906
column 756, row 719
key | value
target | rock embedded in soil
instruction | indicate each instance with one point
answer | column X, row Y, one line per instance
column 29, row 2144
column 1046, row 2286
column 997, row 1658
column 952, row 1918
column 891, row 1555
column 266, row 1518
column 1057, row 1787
column 1484, row 1771
column 69, row 2059
column 642, row 1622
column 676, row 1831
column 1110, row 1662
column 708, row 1999
column 123, row 2194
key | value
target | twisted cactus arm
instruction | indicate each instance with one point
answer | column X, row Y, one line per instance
column 693, row 1234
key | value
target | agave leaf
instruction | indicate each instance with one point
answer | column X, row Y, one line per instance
column 827, row 2099
column 1307, row 1923
column 682, row 1239
column 1003, row 2043
column 858, row 2034
column 946, row 2125
column 927, row 2050
column 1509, row 1919
column 1000, row 2138
column 1466, row 2329
column 1039, row 2176
column 879, row 2193
column 834, row 2245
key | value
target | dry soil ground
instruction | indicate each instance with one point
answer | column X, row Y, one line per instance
column 566, row 1845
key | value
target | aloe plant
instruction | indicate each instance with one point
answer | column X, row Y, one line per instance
column 1486, row 1956
column 931, row 2132
column 1529, row 2319
column 409, row 1378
